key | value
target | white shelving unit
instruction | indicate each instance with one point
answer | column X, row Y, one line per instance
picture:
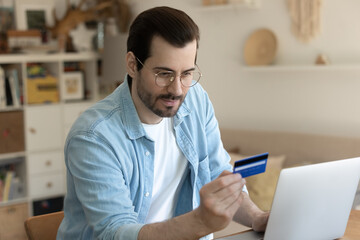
column 40, row 165
column 283, row 68
column 233, row 4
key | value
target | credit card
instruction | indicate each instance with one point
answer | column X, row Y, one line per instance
column 251, row 165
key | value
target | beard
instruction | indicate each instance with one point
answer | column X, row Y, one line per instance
column 150, row 101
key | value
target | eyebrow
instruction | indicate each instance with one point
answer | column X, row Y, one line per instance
column 170, row 70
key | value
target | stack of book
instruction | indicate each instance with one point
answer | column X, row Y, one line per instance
column 10, row 92
column 11, row 186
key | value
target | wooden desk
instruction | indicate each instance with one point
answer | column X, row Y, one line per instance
column 353, row 226
column 352, row 231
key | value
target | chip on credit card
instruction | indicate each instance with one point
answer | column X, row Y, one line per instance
column 251, row 165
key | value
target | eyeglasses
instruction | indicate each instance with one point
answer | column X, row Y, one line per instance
column 165, row 78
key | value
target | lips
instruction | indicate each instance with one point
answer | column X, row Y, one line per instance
column 170, row 102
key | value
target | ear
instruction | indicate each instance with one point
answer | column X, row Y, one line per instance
column 131, row 65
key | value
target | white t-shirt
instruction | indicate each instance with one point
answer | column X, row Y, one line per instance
column 169, row 168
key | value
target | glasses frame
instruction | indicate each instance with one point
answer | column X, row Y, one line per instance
column 175, row 75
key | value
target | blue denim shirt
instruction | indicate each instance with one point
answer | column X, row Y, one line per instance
column 110, row 162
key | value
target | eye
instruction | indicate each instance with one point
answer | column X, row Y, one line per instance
column 165, row 74
column 188, row 74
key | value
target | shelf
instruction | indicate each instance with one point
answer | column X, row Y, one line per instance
column 14, row 201
column 235, row 4
column 82, row 101
column 10, row 109
column 30, row 105
column 283, row 68
column 54, row 57
column 4, row 157
column 37, row 159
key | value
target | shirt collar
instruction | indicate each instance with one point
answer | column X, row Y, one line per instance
column 131, row 120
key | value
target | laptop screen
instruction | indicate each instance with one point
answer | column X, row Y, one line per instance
column 314, row 201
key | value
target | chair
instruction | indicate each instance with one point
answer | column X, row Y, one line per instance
column 43, row 227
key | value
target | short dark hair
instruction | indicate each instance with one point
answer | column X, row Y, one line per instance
column 173, row 25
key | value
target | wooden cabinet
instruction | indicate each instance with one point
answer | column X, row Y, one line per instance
column 12, row 220
column 33, row 132
column 12, row 132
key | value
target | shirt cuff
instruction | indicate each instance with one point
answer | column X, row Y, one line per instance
column 128, row 231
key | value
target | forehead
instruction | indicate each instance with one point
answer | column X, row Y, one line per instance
column 163, row 52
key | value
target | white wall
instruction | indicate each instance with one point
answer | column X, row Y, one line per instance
column 324, row 102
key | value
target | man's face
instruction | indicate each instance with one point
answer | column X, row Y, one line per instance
column 153, row 102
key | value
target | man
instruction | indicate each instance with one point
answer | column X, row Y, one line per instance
column 147, row 162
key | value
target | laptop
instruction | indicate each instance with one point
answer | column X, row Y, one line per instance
column 311, row 202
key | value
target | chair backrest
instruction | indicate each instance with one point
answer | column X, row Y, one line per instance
column 43, row 227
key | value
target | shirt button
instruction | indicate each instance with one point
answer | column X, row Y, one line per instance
column 147, row 194
column 147, row 153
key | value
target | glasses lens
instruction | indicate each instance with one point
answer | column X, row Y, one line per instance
column 190, row 79
column 163, row 79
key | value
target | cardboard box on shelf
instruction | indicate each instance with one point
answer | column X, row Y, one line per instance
column 42, row 90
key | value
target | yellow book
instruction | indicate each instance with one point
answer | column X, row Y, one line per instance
column 1, row 190
column 8, row 180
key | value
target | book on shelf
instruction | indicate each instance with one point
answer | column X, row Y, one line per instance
column 9, row 98
column 16, row 188
column 2, row 88
column 11, row 187
column 10, row 92
column 73, row 66
column 1, row 189
column 14, row 86
column 8, row 179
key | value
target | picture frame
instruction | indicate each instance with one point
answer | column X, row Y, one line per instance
column 72, row 86
column 33, row 14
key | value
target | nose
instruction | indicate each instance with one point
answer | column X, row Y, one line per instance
column 175, row 88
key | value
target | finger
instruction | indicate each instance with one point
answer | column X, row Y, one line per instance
column 227, row 196
column 223, row 182
column 225, row 190
column 234, row 201
column 227, row 206
column 228, row 188
column 231, row 193
column 232, row 206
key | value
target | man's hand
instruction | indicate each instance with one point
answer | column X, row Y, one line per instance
column 220, row 199
column 250, row 215
column 260, row 221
